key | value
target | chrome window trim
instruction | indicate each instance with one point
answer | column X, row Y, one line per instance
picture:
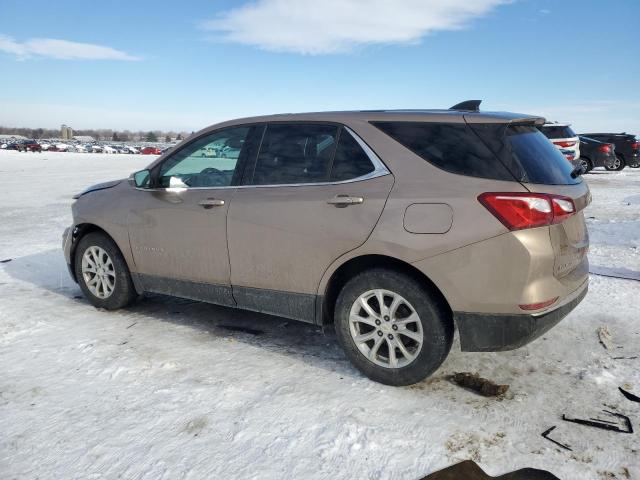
column 379, row 170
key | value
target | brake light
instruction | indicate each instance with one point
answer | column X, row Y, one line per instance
column 565, row 144
column 635, row 145
column 604, row 148
column 518, row 211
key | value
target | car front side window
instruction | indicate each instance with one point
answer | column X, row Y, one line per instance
column 209, row 161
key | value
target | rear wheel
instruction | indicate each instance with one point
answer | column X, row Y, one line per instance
column 102, row 272
column 392, row 328
column 617, row 165
column 586, row 164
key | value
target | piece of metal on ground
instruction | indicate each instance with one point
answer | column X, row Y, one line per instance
column 546, row 433
column 469, row 470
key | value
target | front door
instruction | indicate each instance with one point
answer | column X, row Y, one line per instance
column 177, row 228
column 312, row 194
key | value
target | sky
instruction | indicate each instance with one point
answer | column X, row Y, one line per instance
column 147, row 65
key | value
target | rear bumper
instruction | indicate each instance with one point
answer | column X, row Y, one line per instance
column 482, row 332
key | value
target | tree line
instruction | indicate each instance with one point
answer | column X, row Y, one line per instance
column 105, row 134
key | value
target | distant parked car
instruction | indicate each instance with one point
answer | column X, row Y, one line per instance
column 108, row 149
column 627, row 148
column 31, row 146
column 16, row 146
column 150, row 151
column 562, row 136
column 595, row 154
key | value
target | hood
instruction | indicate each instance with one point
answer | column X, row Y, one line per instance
column 96, row 187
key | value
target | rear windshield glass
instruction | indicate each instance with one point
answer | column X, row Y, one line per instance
column 495, row 151
column 528, row 154
column 557, row 131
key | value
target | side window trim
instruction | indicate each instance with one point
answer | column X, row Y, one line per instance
column 235, row 182
column 380, row 169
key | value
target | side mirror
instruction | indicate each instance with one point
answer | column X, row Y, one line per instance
column 140, row 179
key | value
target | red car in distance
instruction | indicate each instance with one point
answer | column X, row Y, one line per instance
column 150, row 151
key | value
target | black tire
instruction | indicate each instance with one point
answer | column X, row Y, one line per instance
column 620, row 166
column 123, row 290
column 586, row 164
column 435, row 319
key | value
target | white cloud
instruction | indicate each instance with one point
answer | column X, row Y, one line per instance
column 338, row 26
column 61, row 49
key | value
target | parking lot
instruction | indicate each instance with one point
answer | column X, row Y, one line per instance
column 173, row 388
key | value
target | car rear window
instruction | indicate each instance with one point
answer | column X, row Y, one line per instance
column 528, row 154
column 495, row 151
column 453, row 147
column 557, row 131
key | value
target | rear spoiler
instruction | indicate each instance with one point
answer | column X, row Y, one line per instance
column 473, row 106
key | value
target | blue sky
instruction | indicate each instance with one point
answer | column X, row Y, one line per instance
column 147, row 65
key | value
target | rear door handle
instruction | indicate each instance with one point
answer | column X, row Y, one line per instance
column 211, row 202
column 345, row 200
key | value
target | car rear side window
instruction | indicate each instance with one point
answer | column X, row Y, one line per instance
column 295, row 153
column 350, row 160
column 557, row 131
column 453, row 147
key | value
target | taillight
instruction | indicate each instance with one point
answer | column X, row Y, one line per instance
column 518, row 211
column 565, row 144
column 604, row 148
column 635, row 145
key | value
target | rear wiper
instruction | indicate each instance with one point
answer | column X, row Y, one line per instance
column 576, row 172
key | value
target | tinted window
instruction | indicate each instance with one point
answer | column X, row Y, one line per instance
column 450, row 146
column 295, row 153
column 527, row 153
column 350, row 160
column 209, row 161
column 557, row 132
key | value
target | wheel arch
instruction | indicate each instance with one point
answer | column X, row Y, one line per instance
column 356, row 265
column 82, row 230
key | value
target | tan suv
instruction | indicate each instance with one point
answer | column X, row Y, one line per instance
column 395, row 226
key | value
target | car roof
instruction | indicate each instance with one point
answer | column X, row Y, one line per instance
column 417, row 115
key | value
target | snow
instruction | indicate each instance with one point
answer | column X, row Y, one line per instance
column 163, row 391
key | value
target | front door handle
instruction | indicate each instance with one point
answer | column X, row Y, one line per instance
column 211, row 202
column 345, row 200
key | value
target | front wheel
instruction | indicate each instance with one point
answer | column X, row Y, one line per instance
column 102, row 272
column 391, row 327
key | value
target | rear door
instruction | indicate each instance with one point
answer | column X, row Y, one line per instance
column 314, row 192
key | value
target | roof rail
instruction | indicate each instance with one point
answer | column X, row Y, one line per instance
column 468, row 105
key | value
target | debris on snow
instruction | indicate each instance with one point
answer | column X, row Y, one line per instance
column 469, row 470
column 546, row 433
column 629, row 395
column 604, row 424
column 6, row 260
column 476, row 383
column 605, row 337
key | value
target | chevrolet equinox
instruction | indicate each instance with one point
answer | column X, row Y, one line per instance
column 394, row 226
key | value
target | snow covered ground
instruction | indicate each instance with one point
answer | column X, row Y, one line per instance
column 163, row 390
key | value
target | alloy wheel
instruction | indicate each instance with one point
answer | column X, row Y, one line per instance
column 386, row 328
column 98, row 272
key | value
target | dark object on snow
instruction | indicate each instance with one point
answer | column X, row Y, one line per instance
column 6, row 260
column 546, row 433
column 469, row 470
column 480, row 385
column 629, row 395
column 236, row 328
column 604, row 424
